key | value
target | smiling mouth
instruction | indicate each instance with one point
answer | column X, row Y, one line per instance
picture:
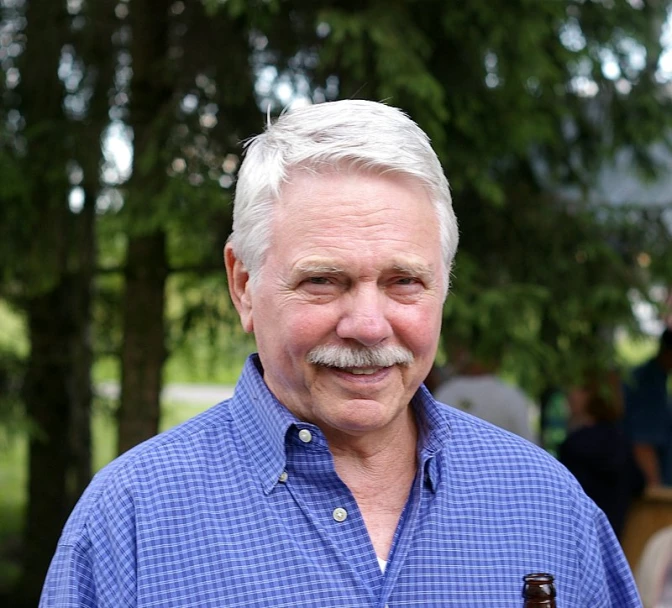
column 362, row 371
column 358, row 371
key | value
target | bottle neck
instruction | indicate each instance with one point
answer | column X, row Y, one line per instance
column 539, row 591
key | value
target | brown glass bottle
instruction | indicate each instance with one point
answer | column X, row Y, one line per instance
column 538, row 590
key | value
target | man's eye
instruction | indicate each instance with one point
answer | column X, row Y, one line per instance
column 407, row 281
column 318, row 280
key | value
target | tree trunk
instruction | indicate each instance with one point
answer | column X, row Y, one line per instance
column 58, row 263
column 57, row 395
column 143, row 349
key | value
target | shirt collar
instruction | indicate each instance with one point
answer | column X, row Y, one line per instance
column 264, row 422
column 434, row 433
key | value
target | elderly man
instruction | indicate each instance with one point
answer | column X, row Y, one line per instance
column 332, row 478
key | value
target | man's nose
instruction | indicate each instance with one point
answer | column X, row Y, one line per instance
column 364, row 316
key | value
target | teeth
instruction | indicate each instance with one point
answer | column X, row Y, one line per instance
column 363, row 371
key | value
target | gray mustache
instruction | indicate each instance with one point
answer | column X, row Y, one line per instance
column 347, row 356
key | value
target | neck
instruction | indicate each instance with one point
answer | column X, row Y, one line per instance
column 378, row 453
column 581, row 420
column 380, row 472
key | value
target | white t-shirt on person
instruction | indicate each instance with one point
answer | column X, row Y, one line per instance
column 490, row 398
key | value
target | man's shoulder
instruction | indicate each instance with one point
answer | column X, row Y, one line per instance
column 154, row 463
column 191, row 437
column 494, row 469
column 478, row 443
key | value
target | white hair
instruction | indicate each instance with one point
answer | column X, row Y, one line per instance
column 365, row 135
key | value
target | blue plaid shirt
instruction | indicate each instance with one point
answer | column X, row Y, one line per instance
column 234, row 508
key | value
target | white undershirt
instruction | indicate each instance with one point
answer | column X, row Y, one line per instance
column 383, row 564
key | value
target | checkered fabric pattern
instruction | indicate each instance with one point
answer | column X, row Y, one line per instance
column 241, row 506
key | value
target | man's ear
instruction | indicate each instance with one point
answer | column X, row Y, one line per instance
column 239, row 287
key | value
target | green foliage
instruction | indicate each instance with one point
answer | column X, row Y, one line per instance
column 514, row 95
column 13, row 352
column 204, row 332
column 240, row 8
column 13, row 473
column 399, row 50
column 204, row 339
column 540, row 286
column 106, row 326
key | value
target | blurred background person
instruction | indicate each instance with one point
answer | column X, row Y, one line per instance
column 653, row 573
column 596, row 449
column 476, row 389
column 648, row 414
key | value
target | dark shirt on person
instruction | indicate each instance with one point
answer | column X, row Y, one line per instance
column 600, row 457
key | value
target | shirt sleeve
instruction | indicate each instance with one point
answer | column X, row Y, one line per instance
column 95, row 561
column 602, row 552
column 69, row 582
column 620, row 582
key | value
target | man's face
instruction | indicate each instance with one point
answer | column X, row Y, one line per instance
column 354, row 261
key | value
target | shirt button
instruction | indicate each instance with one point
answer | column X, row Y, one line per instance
column 305, row 435
column 339, row 514
column 283, row 477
